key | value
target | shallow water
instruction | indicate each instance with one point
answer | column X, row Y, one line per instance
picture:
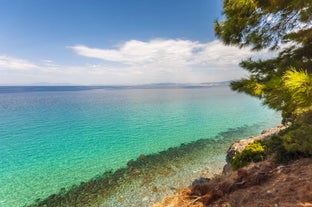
column 53, row 139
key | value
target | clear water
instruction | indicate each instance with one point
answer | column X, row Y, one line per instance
column 54, row 138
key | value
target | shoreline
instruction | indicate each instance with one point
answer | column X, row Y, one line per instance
column 151, row 178
column 238, row 146
column 233, row 149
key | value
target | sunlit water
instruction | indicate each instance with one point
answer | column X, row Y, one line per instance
column 54, row 138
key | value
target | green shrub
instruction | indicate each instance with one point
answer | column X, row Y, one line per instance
column 275, row 146
column 299, row 141
column 253, row 152
column 294, row 142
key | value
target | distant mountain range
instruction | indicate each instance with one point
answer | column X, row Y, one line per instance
column 69, row 87
column 152, row 85
column 182, row 85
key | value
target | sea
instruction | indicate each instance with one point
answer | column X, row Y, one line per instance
column 53, row 138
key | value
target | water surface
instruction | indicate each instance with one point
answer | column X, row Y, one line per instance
column 51, row 138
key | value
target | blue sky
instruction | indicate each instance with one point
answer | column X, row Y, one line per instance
column 113, row 42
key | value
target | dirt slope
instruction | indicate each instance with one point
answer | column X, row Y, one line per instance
column 264, row 184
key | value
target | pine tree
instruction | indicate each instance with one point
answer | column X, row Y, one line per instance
column 284, row 83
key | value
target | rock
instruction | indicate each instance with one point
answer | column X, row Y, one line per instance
column 142, row 156
column 227, row 168
column 155, row 189
column 137, row 172
column 121, row 199
column 145, row 199
column 201, row 180
column 240, row 145
column 130, row 163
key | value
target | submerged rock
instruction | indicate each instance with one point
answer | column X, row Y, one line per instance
column 201, row 180
column 137, row 172
column 227, row 168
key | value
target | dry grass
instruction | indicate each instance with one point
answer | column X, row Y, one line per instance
column 262, row 184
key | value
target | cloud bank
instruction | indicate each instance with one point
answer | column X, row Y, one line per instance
column 135, row 62
column 7, row 62
column 166, row 52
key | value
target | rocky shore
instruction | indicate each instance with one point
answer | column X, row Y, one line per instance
column 238, row 146
column 151, row 178
column 258, row 184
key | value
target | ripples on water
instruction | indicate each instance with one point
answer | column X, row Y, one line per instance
column 56, row 138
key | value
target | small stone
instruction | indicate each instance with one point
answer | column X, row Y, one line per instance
column 145, row 199
column 121, row 199
column 200, row 181
column 172, row 188
column 137, row 172
column 154, row 189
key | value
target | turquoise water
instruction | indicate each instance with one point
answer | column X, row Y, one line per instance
column 50, row 139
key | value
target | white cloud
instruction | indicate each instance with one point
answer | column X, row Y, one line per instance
column 162, row 60
column 167, row 53
column 7, row 62
column 136, row 62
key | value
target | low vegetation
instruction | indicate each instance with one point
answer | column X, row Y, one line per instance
column 254, row 152
column 293, row 143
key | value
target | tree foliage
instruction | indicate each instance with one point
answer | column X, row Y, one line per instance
column 265, row 23
column 284, row 82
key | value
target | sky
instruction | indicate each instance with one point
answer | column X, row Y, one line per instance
column 114, row 42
